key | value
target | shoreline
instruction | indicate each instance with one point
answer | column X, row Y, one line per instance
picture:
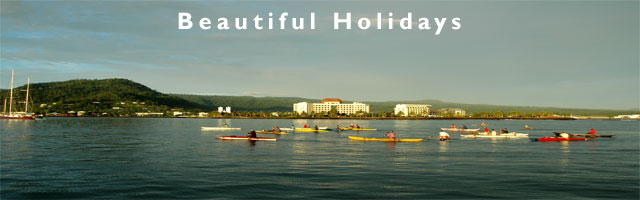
column 353, row 118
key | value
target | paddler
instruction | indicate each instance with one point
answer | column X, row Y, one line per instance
column 564, row 135
column 351, row 126
column 226, row 125
column 486, row 129
column 357, row 126
column 482, row 124
column 443, row 136
column 390, row 135
column 305, row 126
column 452, row 126
column 276, row 129
column 252, row 134
column 338, row 128
column 493, row 132
column 315, row 127
column 526, row 126
column 463, row 126
column 593, row 131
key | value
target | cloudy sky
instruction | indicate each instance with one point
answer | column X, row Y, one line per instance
column 580, row 54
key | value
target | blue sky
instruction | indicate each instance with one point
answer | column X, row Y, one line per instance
column 579, row 54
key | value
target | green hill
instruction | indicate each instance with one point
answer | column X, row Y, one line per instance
column 98, row 96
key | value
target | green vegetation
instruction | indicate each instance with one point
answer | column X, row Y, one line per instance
column 121, row 97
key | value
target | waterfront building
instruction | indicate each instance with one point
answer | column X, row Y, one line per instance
column 143, row 114
column 330, row 104
column 227, row 109
column 411, row 109
column 220, row 109
column 636, row 116
column 203, row 114
column 454, row 111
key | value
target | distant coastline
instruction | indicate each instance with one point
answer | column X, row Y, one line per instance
column 364, row 118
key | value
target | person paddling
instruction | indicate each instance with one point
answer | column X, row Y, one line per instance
column 593, row 131
column 443, row 136
column 390, row 135
column 486, row 129
column 564, row 135
column 315, row 127
column 226, row 125
column 452, row 126
column 338, row 128
column 252, row 134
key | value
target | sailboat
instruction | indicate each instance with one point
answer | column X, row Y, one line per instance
column 17, row 115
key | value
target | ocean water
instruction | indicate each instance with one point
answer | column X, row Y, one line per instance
column 69, row 158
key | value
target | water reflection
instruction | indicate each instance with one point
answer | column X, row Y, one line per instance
column 444, row 146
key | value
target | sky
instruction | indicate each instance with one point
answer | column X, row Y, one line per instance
column 575, row 54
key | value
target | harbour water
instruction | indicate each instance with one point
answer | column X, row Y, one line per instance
column 172, row 158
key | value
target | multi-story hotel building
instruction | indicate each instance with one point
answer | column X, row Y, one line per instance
column 329, row 104
column 406, row 109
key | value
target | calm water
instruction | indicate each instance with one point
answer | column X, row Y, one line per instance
column 172, row 158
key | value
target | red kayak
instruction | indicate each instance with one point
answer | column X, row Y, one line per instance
column 555, row 139
column 233, row 137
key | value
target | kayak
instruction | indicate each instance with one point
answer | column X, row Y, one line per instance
column 460, row 129
column 384, row 139
column 233, row 137
column 309, row 130
column 204, row 128
column 286, row 129
column 509, row 135
column 359, row 129
column 555, row 139
column 271, row 132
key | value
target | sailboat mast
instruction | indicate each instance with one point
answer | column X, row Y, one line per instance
column 4, row 108
column 26, row 100
column 11, row 93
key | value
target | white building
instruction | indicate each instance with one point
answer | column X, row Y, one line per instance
column 203, row 114
column 227, row 109
column 141, row 114
column 302, row 107
column 636, row 116
column 330, row 104
column 415, row 109
column 220, row 109
column 454, row 111
column 177, row 113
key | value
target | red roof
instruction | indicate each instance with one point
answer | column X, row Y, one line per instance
column 331, row 100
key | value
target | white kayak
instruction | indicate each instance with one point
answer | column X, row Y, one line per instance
column 286, row 129
column 204, row 128
column 460, row 129
column 505, row 135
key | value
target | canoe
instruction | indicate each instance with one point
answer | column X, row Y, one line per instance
column 590, row 135
column 508, row 135
column 271, row 132
column 204, row 128
column 233, row 137
column 359, row 129
column 460, row 130
column 384, row 139
column 556, row 139
column 309, row 130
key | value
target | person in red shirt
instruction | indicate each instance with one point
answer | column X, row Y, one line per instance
column 452, row 126
column 486, row 129
column 592, row 131
column 391, row 135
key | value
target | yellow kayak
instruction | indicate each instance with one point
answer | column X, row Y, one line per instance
column 271, row 132
column 360, row 129
column 384, row 139
column 309, row 130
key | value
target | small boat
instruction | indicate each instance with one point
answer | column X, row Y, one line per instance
column 359, row 129
column 556, row 139
column 233, row 137
column 204, row 128
column 309, row 130
column 384, row 139
column 460, row 129
column 504, row 135
column 528, row 128
column 271, row 132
